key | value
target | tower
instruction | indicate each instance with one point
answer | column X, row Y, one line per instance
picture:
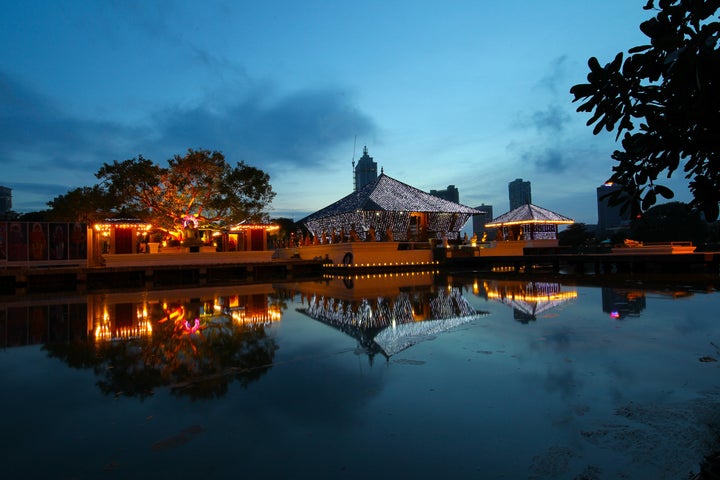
column 479, row 222
column 5, row 199
column 610, row 219
column 365, row 170
column 451, row 193
column 519, row 193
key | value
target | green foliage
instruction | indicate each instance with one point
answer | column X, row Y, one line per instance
column 670, row 222
column 575, row 235
column 84, row 204
column 200, row 183
column 662, row 99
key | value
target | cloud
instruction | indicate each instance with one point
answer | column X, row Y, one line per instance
column 34, row 132
column 274, row 132
column 546, row 160
column 551, row 120
column 553, row 80
column 295, row 130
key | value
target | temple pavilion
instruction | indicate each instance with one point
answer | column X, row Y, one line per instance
column 526, row 227
column 389, row 210
column 528, row 222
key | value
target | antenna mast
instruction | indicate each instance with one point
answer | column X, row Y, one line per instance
column 353, row 165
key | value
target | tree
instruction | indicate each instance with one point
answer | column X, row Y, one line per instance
column 84, row 204
column 200, row 184
column 663, row 100
column 669, row 222
column 575, row 235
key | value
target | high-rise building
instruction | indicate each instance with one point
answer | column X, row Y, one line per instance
column 451, row 193
column 519, row 193
column 5, row 199
column 365, row 170
column 479, row 222
column 610, row 217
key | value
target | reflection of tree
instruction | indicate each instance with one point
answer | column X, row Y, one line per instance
column 200, row 364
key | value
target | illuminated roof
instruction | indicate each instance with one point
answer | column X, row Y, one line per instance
column 388, row 194
column 529, row 213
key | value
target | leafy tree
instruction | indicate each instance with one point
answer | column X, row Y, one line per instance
column 663, row 100
column 669, row 222
column 84, row 204
column 575, row 235
column 199, row 184
column 287, row 226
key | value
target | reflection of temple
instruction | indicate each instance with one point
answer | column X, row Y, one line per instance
column 386, row 313
column 195, row 342
column 120, row 316
column 528, row 299
column 123, row 316
column 621, row 303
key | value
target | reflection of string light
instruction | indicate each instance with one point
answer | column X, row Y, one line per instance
column 381, row 275
column 241, row 316
column 530, row 297
column 615, row 314
column 192, row 329
column 383, row 312
column 105, row 333
column 533, row 298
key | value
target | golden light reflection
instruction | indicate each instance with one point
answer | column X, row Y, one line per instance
column 117, row 317
column 242, row 317
column 531, row 298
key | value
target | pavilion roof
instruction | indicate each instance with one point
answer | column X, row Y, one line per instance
column 529, row 213
column 388, row 194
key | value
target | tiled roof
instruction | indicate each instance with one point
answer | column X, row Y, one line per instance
column 388, row 194
column 529, row 213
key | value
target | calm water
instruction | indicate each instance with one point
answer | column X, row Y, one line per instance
column 401, row 376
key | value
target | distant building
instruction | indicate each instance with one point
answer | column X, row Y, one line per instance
column 5, row 199
column 365, row 170
column 519, row 193
column 451, row 194
column 480, row 220
column 610, row 218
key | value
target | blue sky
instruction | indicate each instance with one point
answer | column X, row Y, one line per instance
column 466, row 93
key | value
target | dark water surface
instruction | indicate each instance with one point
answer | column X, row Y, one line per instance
column 399, row 376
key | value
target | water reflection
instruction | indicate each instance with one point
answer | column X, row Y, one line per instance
column 562, row 397
column 621, row 303
column 196, row 342
column 528, row 299
column 386, row 313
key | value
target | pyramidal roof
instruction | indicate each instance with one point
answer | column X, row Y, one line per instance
column 529, row 213
column 388, row 194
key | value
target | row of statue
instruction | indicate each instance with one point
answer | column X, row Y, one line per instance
column 339, row 236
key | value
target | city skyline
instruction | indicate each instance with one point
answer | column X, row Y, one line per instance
column 468, row 95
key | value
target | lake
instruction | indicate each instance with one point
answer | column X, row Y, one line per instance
column 407, row 375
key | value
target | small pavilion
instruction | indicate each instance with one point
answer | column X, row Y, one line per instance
column 529, row 222
column 527, row 226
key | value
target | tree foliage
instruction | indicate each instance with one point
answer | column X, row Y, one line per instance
column 84, row 204
column 199, row 184
column 670, row 222
column 575, row 235
column 664, row 100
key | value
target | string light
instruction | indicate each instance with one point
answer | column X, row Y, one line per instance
column 387, row 205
